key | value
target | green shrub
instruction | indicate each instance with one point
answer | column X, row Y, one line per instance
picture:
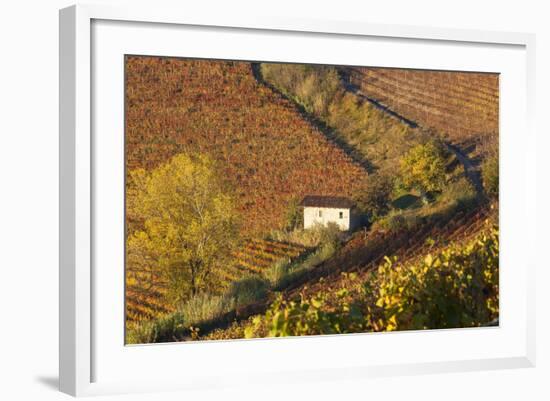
column 423, row 167
column 373, row 199
column 158, row 330
column 311, row 237
column 490, row 175
column 289, row 272
column 324, row 252
column 204, row 307
column 277, row 271
column 399, row 220
column 461, row 192
column 330, row 234
column 393, row 222
column 139, row 333
column 407, row 201
column 247, row 290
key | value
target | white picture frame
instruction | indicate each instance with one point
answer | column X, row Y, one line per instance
column 79, row 343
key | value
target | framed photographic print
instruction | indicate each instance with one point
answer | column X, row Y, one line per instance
column 290, row 199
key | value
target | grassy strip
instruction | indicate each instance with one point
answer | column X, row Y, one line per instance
column 199, row 313
column 371, row 135
column 205, row 311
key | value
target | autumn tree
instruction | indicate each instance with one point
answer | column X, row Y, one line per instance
column 373, row 199
column 143, row 256
column 423, row 167
column 188, row 223
column 294, row 215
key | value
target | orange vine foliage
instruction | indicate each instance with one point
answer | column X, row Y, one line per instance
column 462, row 105
column 263, row 146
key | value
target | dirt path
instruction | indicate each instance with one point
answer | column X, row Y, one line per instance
column 470, row 171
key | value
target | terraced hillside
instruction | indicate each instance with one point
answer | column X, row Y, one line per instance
column 463, row 106
column 278, row 133
column 363, row 254
column 264, row 147
column 257, row 255
column 360, row 255
column 145, row 296
column 371, row 134
column 146, row 291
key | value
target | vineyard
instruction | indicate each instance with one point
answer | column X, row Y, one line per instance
column 363, row 254
column 275, row 134
column 256, row 256
column 145, row 296
column 373, row 136
column 454, row 287
column 462, row 106
column 269, row 154
column 146, row 291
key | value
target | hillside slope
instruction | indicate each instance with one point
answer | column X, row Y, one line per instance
column 362, row 255
column 370, row 133
column 462, row 106
column 359, row 259
column 267, row 151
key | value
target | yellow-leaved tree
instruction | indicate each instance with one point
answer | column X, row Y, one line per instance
column 188, row 224
column 423, row 167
